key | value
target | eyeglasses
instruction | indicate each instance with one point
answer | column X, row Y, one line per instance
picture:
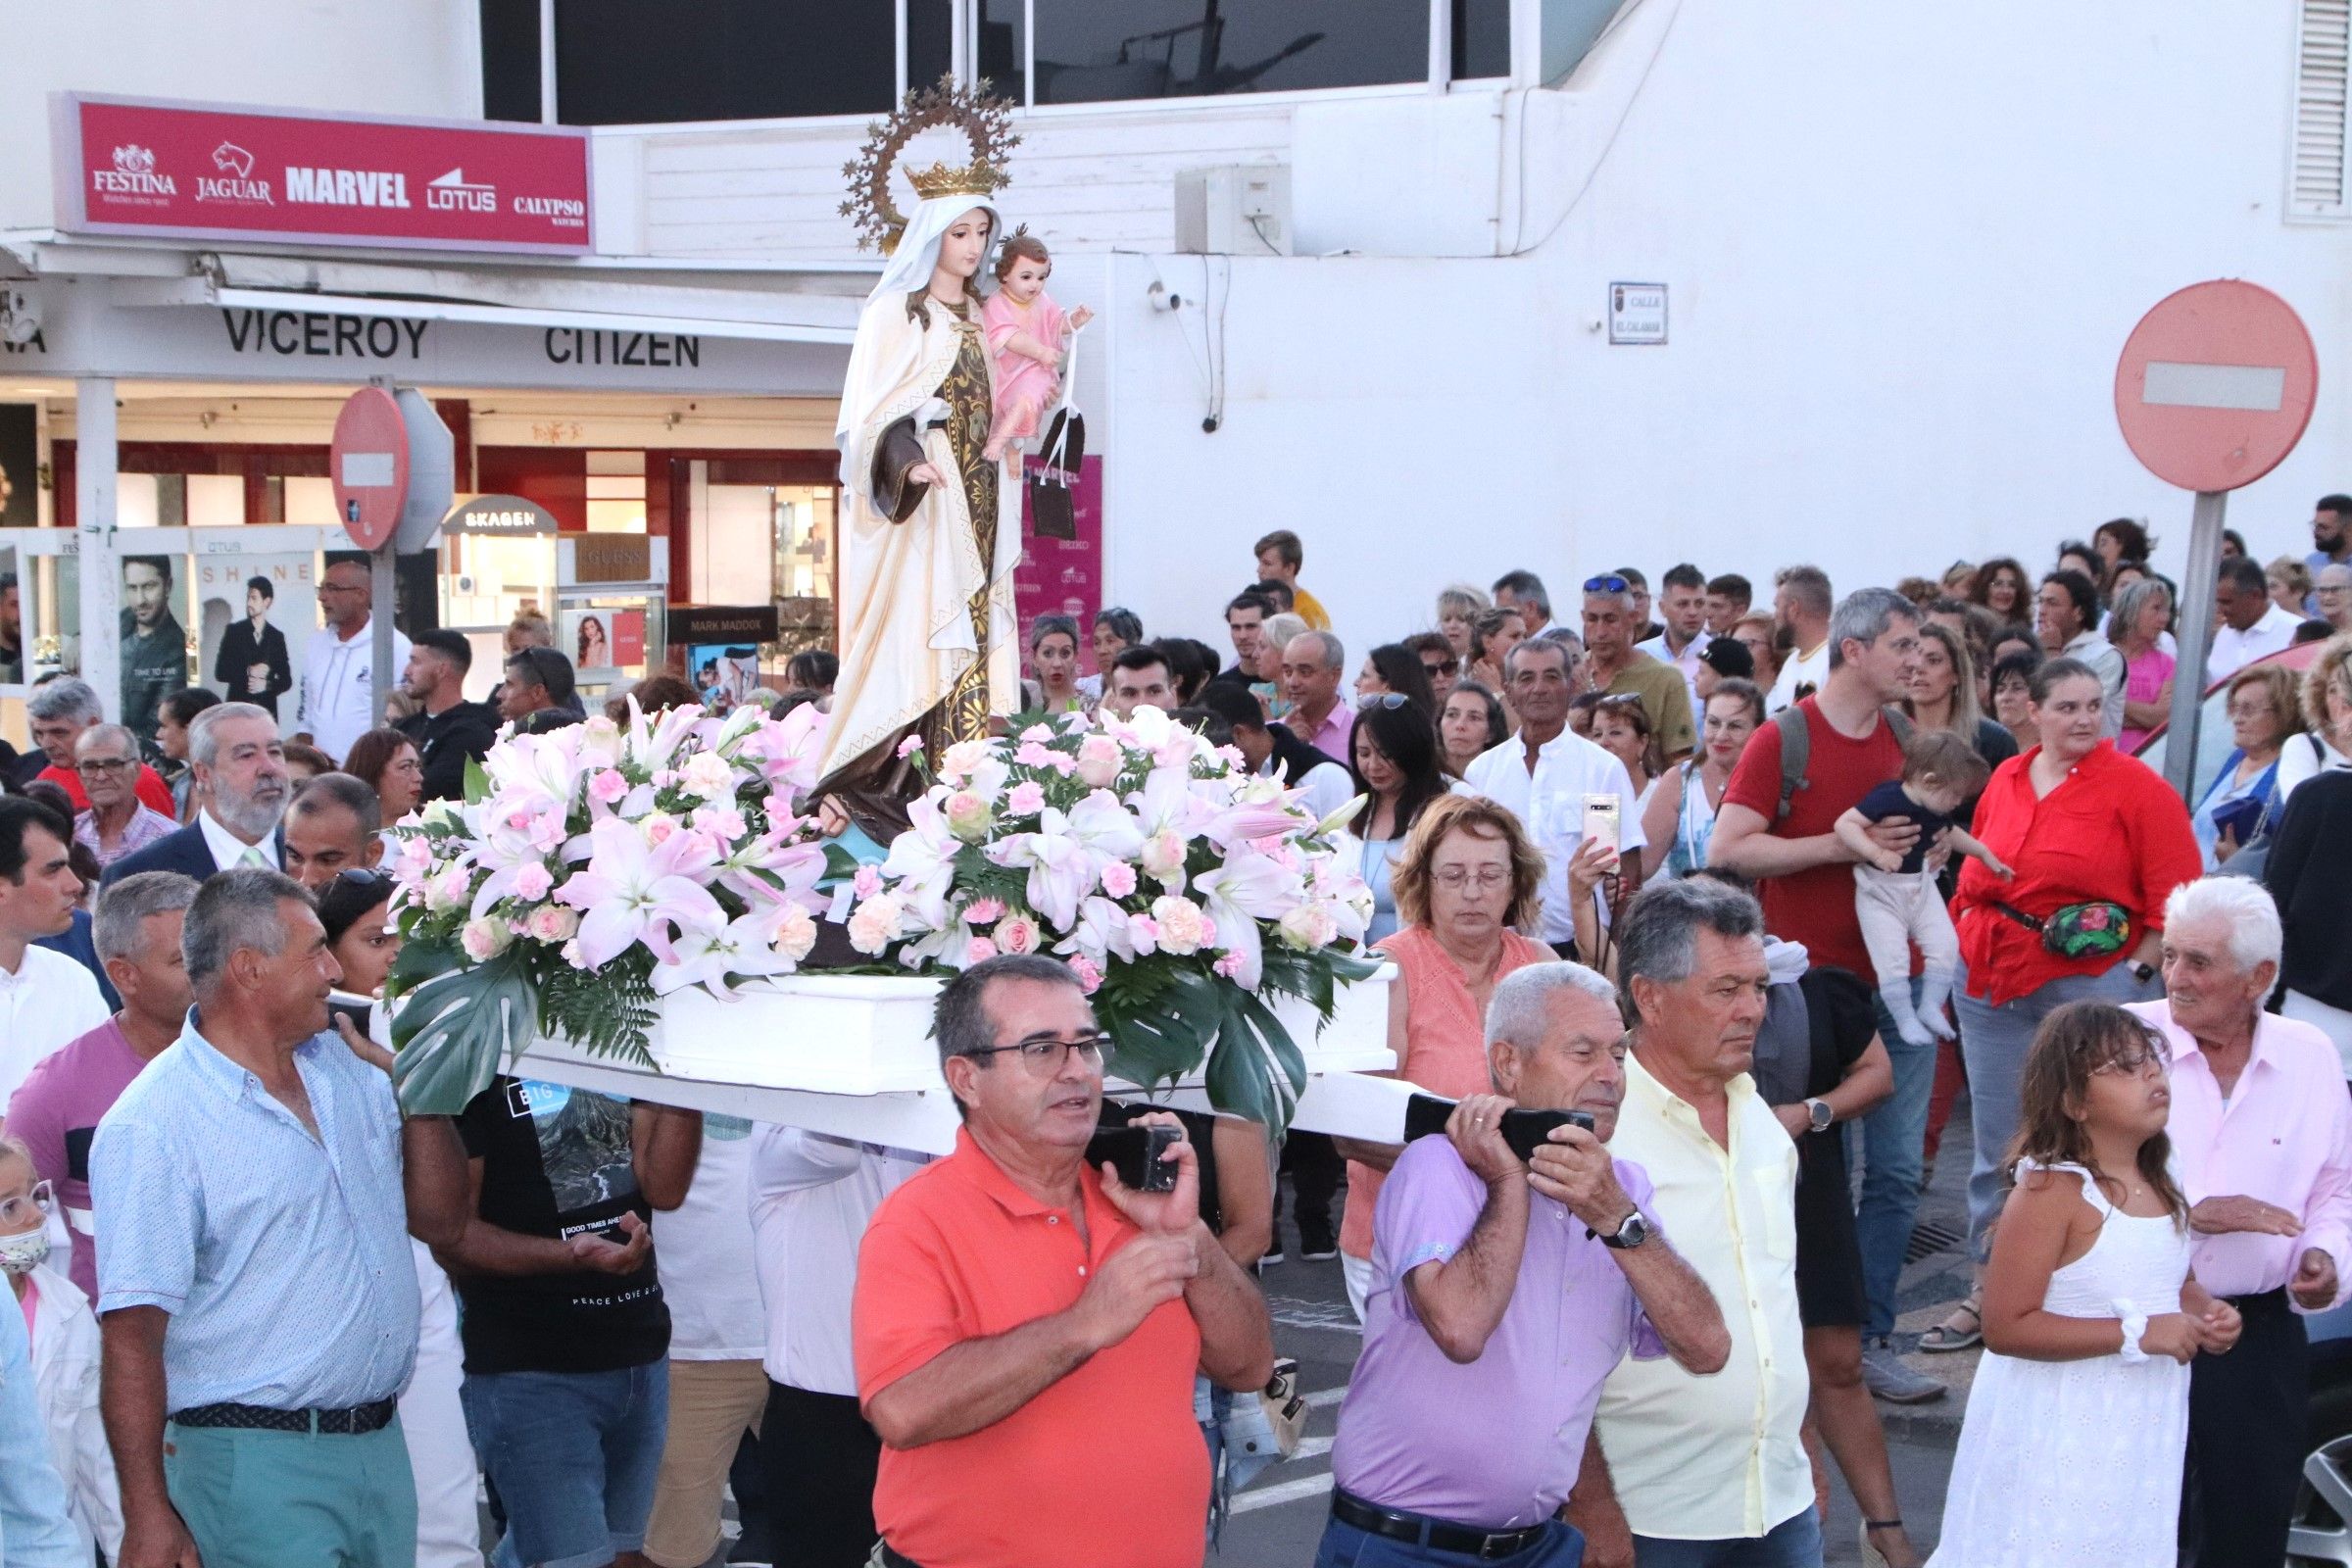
column 1457, row 877
column 105, row 764
column 1608, row 582
column 1389, row 700
column 2134, row 1064
column 1440, row 671
column 1046, row 1056
column 19, row 1214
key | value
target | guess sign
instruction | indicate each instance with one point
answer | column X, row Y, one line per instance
column 126, row 167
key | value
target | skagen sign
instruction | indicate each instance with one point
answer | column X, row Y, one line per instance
column 499, row 514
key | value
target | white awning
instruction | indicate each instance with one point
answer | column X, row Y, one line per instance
column 199, row 292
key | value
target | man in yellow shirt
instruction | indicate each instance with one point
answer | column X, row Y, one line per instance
column 1279, row 558
column 1706, row 1471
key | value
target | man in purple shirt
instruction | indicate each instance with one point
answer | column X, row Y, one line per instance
column 1502, row 1297
column 57, row 1109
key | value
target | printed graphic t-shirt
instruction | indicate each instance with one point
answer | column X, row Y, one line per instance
column 555, row 1162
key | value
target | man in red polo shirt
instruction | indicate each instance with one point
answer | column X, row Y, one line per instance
column 1806, row 878
column 1026, row 1329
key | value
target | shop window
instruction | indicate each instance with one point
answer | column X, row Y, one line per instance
column 1091, row 51
column 627, row 61
column 616, row 492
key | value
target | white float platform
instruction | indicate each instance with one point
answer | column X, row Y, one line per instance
column 851, row 1055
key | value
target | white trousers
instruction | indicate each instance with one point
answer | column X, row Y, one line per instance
column 1896, row 908
column 448, row 1521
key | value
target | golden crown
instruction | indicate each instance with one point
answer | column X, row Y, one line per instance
column 986, row 123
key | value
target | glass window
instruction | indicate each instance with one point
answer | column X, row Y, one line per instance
column 625, row 61
column 930, row 41
column 1002, row 47
column 1481, row 38
column 1093, row 51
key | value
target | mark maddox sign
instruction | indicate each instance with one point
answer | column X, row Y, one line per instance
column 205, row 172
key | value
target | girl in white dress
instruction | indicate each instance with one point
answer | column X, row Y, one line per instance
column 2071, row 1454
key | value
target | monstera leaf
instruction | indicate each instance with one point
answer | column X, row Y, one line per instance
column 454, row 1024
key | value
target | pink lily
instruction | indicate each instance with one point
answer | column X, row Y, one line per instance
column 629, row 892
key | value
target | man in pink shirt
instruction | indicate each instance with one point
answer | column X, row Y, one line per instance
column 1310, row 679
column 57, row 1109
column 2262, row 1141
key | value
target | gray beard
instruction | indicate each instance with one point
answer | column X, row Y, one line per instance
column 250, row 818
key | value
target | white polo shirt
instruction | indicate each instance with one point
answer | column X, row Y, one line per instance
column 2235, row 650
column 51, row 1001
column 1549, row 804
column 811, row 1195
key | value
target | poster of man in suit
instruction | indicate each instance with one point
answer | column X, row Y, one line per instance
column 155, row 641
column 245, row 604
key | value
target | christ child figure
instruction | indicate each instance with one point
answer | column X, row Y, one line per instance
column 1026, row 335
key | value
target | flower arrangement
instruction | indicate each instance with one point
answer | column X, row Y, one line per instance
column 1185, row 891
column 591, row 872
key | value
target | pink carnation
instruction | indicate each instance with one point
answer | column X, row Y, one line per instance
column 607, row 785
column 1026, row 798
column 868, row 881
column 1118, row 879
column 1230, row 966
column 532, row 882
column 1088, row 977
column 1033, row 755
column 984, row 911
column 911, row 745
column 980, row 952
column 1038, row 732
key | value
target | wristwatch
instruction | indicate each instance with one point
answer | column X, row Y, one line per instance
column 2144, row 972
column 1822, row 1115
column 1628, row 1236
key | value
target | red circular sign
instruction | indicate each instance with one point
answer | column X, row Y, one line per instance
column 369, row 466
column 2216, row 386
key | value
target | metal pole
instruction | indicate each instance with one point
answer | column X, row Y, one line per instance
column 547, row 62
column 96, row 455
column 382, row 596
column 2196, row 631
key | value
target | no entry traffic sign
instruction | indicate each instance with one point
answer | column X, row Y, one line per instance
column 369, row 466
column 2216, row 384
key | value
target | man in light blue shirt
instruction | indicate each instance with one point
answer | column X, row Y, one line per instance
column 255, row 1287
column 35, row 1530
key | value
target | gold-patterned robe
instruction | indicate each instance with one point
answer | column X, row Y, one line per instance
column 928, row 636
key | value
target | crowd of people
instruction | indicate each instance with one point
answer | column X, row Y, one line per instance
column 1752, row 893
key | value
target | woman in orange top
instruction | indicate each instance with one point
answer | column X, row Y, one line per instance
column 1467, row 875
column 2089, row 831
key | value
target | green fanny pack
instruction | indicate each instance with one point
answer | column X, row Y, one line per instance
column 2097, row 929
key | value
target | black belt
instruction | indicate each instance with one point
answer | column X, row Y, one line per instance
column 891, row 1559
column 2270, row 1304
column 356, row 1421
column 1420, row 1530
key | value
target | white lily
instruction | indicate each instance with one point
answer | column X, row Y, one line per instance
column 1062, row 868
column 922, row 862
column 1246, row 889
column 744, row 949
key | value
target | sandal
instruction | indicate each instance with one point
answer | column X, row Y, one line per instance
column 1964, row 1329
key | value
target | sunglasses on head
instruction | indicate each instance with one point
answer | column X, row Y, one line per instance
column 1383, row 700
column 1608, row 582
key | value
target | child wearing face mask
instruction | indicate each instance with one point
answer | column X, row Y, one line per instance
column 1026, row 331
column 64, row 1353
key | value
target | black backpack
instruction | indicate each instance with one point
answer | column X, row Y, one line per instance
column 1796, row 749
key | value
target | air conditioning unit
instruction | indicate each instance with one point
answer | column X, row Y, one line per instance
column 1234, row 210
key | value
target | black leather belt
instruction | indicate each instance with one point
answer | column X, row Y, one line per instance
column 1396, row 1524
column 357, row 1421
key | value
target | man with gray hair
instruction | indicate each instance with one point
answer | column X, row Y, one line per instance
column 1524, row 592
column 2262, row 1142
column 59, row 711
column 1310, row 678
column 1777, row 826
column 1503, row 1290
column 240, row 768
column 1615, row 666
column 118, row 822
column 57, row 1109
column 258, row 1302
column 1707, row 1471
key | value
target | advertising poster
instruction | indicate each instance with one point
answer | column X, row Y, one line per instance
column 1063, row 576
column 155, row 638
column 20, row 465
column 12, row 620
column 722, row 674
column 255, row 618
column 604, row 639
column 628, row 640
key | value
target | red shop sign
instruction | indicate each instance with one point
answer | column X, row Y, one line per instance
column 207, row 171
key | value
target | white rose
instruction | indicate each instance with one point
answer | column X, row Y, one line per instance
column 484, row 939
column 551, row 922
column 1309, row 926
column 1164, row 855
column 450, row 889
column 599, row 742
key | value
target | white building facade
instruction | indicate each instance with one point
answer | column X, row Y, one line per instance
column 1896, row 250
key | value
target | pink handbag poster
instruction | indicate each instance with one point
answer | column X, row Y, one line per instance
column 1063, row 576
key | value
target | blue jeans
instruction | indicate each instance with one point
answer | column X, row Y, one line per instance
column 1894, row 1139
column 1994, row 1042
column 1343, row 1545
column 574, row 1457
column 1794, row 1542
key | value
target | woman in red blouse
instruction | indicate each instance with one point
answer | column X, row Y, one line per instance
column 2082, row 824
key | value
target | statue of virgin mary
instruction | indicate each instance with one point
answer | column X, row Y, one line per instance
column 928, row 529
